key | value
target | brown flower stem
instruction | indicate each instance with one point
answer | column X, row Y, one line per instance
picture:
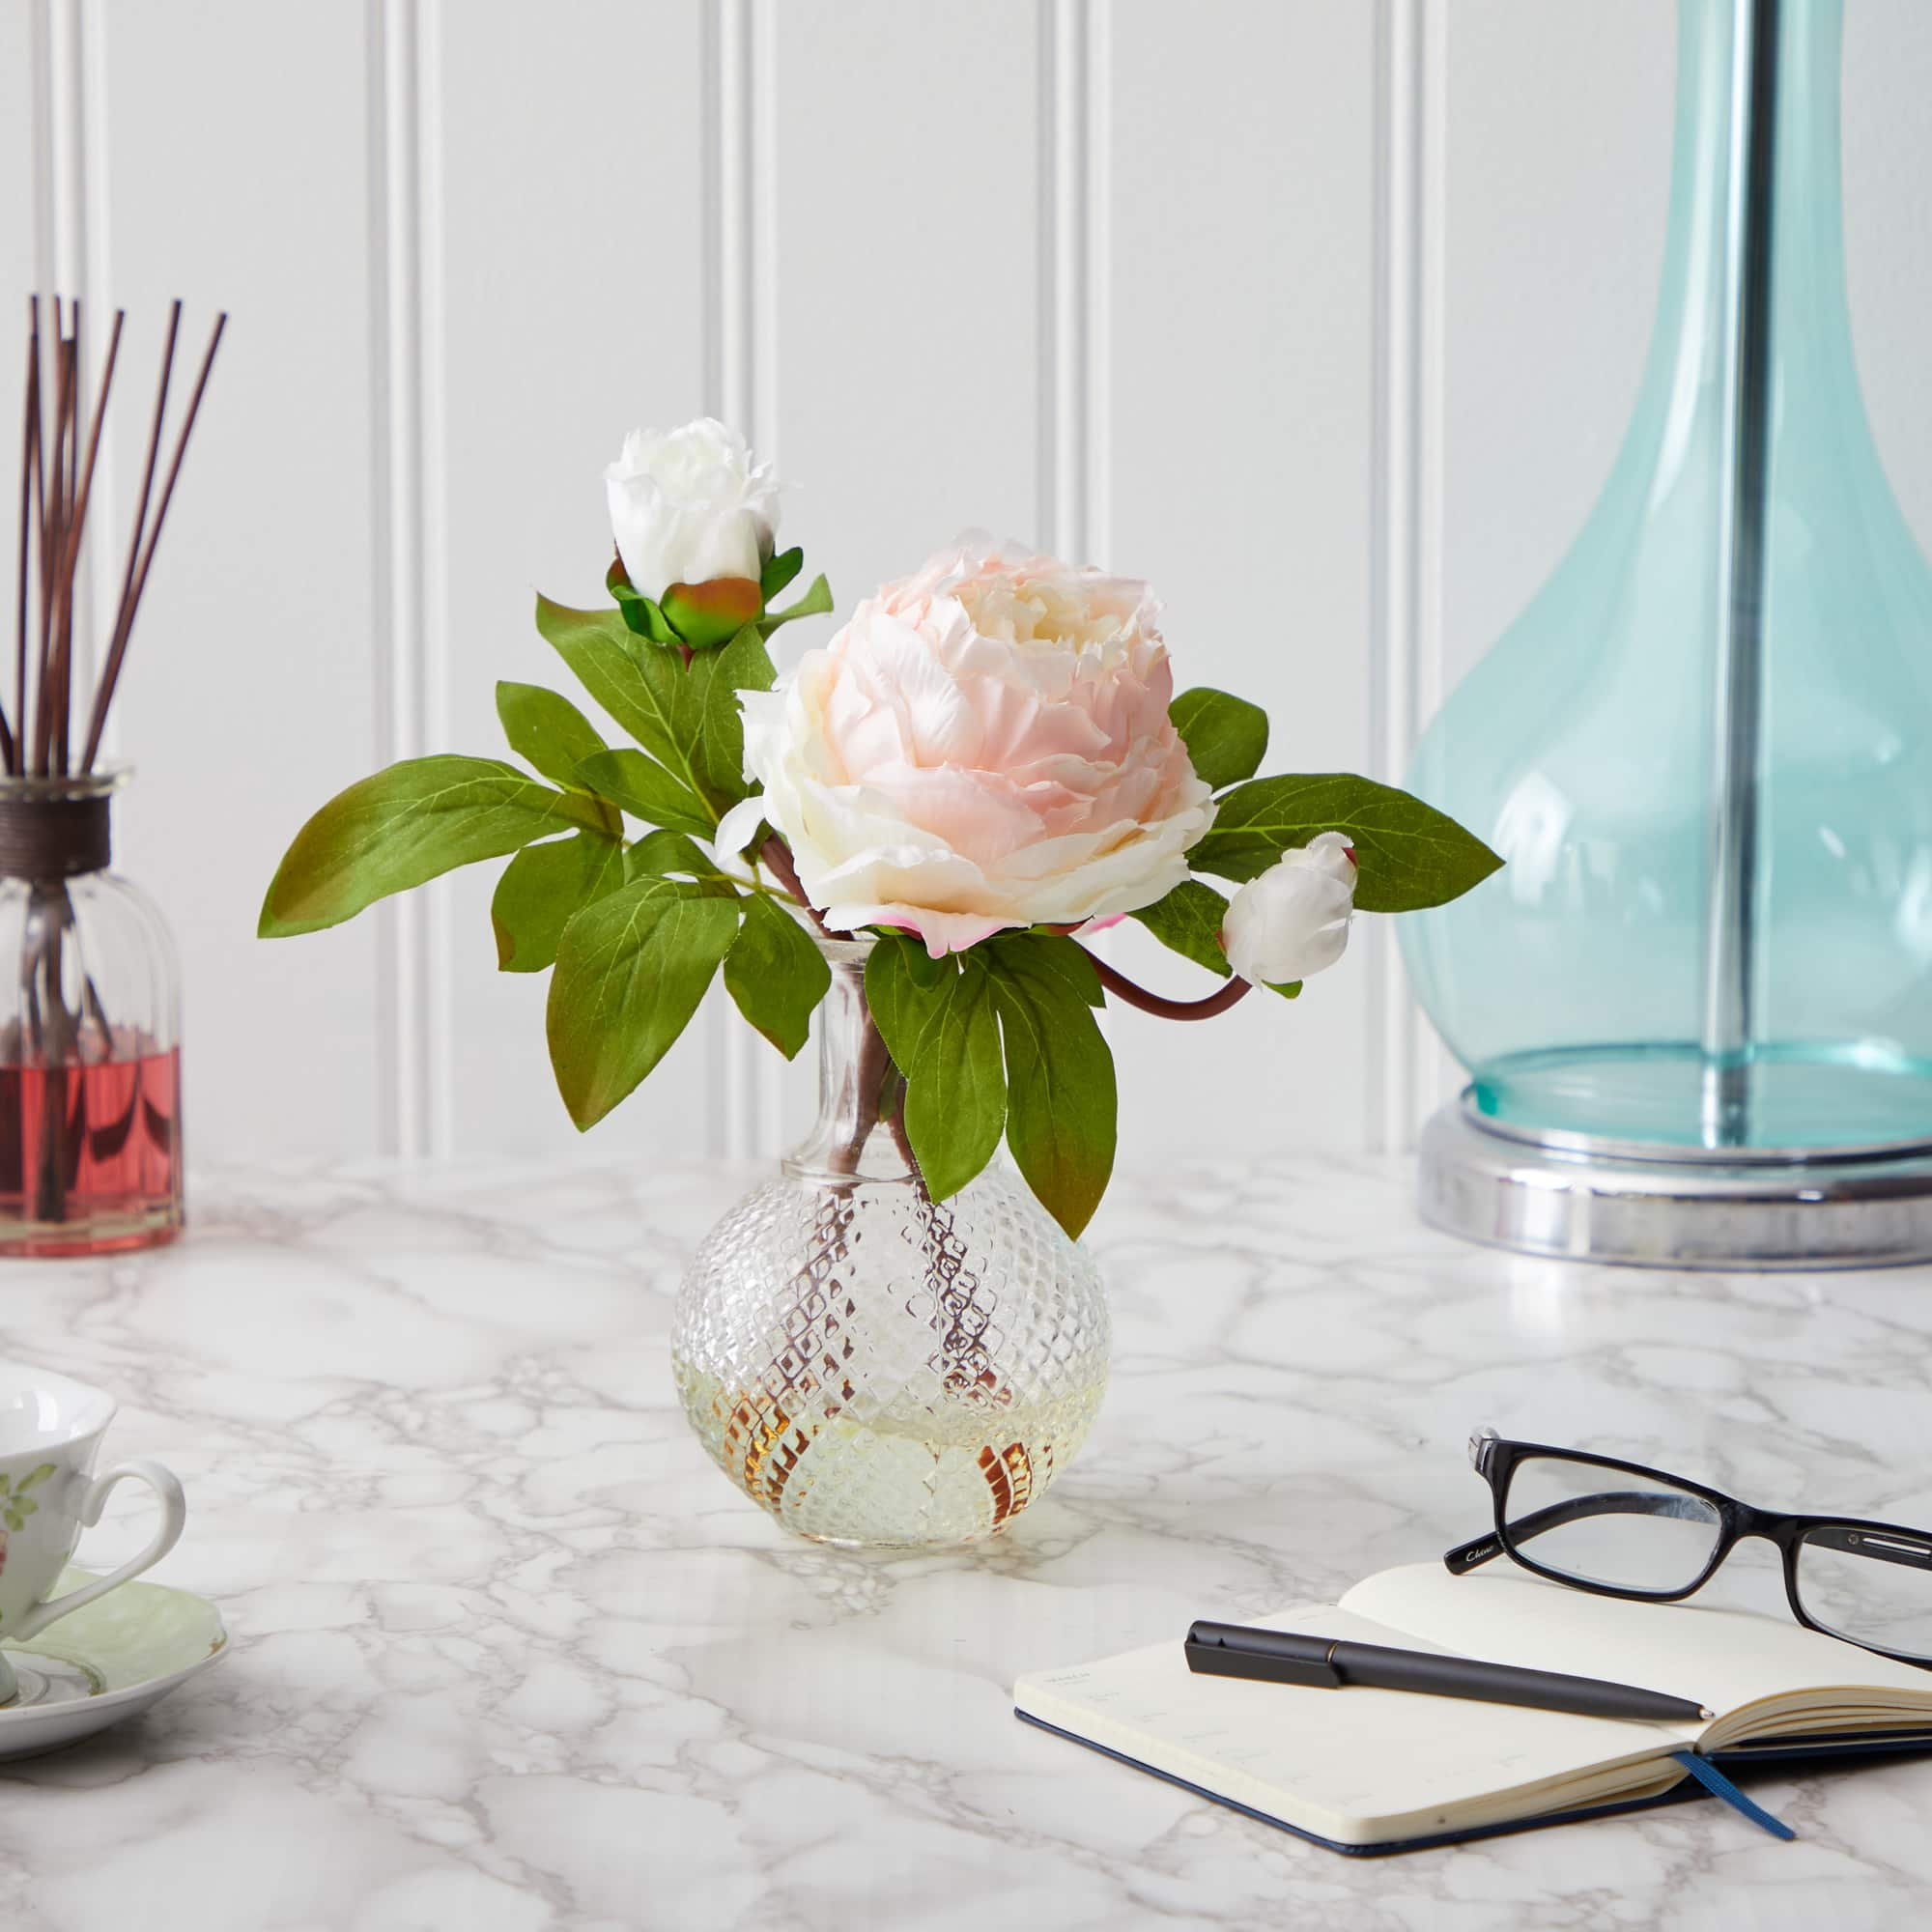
column 875, row 1069
column 777, row 854
column 870, row 1080
column 1117, row 984
column 903, row 1142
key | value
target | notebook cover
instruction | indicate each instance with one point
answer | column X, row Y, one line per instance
column 1861, row 1746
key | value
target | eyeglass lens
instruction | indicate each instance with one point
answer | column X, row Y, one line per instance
column 1873, row 1586
column 1608, row 1526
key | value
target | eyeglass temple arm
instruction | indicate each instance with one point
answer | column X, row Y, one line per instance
column 1553, row 1515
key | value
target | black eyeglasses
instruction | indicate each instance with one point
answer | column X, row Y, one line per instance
column 1623, row 1530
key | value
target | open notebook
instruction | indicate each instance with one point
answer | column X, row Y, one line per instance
column 1362, row 1769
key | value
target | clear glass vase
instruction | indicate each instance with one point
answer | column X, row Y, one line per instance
column 90, row 1037
column 1705, row 748
column 871, row 1367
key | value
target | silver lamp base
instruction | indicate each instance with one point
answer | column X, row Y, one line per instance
column 1584, row 1199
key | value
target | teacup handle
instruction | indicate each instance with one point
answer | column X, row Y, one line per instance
column 166, row 1485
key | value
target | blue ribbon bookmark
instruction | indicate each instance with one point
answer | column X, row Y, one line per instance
column 1719, row 1785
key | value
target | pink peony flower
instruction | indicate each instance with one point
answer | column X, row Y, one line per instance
column 984, row 745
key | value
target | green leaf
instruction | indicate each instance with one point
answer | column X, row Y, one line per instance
column 1068, row 961
column 813, row 604
column 776, row 975
column 666, row 854
column 1226, row 736
column 778, row 571
column 710, row 713
column 546, row 731
column 641, row 615
column 630, row 973
column 542, row 889
column 1188, row 921
column 943, row 1030
column 686, row 716
column 39, row 1473
column 644, row 789
column 645, row 618
column 15, row 1520
column 1409, row 854
column 408, row 825
column 1062, row 1101
column 596, row 645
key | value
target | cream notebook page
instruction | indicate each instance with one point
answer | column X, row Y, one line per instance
column 1757, row 1673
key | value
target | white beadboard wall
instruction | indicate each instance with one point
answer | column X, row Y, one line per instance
column 1325, row 318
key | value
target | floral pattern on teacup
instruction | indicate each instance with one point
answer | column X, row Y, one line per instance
column 16, row 1505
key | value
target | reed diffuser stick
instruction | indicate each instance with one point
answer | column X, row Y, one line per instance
column 53, row 535
column 117, row 641
column 110, row 676
column 30, row 526
column 30, row 422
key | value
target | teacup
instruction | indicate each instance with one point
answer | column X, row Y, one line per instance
column 50, row 1432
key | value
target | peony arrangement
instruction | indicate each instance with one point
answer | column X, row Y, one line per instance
column 986, row 763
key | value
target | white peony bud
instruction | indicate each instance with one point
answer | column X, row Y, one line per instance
column 1292, row 920
column 688, row 505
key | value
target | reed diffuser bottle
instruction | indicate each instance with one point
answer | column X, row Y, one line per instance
column 90, row 1053
column 90, row 1056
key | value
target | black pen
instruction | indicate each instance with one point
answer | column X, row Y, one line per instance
column 1282, row 1657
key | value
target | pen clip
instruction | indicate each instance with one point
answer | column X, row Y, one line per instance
column 1224, row 1650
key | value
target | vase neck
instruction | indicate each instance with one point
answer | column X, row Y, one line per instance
column 860, row 1090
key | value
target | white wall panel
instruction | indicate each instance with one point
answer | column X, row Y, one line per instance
column 1242, row 324
column 906, row 279
column 573, row 250
column 1888, row 167
column 235, row 160
column 18, row 179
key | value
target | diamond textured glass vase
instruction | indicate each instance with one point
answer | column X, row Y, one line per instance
column 872, row 1367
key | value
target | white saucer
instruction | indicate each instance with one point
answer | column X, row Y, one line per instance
column 108, row 1662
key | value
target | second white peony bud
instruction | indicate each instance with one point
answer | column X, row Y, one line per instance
column 688, row 505
column 1294, row 919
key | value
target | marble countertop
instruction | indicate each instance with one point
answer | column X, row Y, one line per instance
column 511, row 1655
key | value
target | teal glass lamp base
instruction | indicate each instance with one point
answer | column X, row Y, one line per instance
column 1587, row 1197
